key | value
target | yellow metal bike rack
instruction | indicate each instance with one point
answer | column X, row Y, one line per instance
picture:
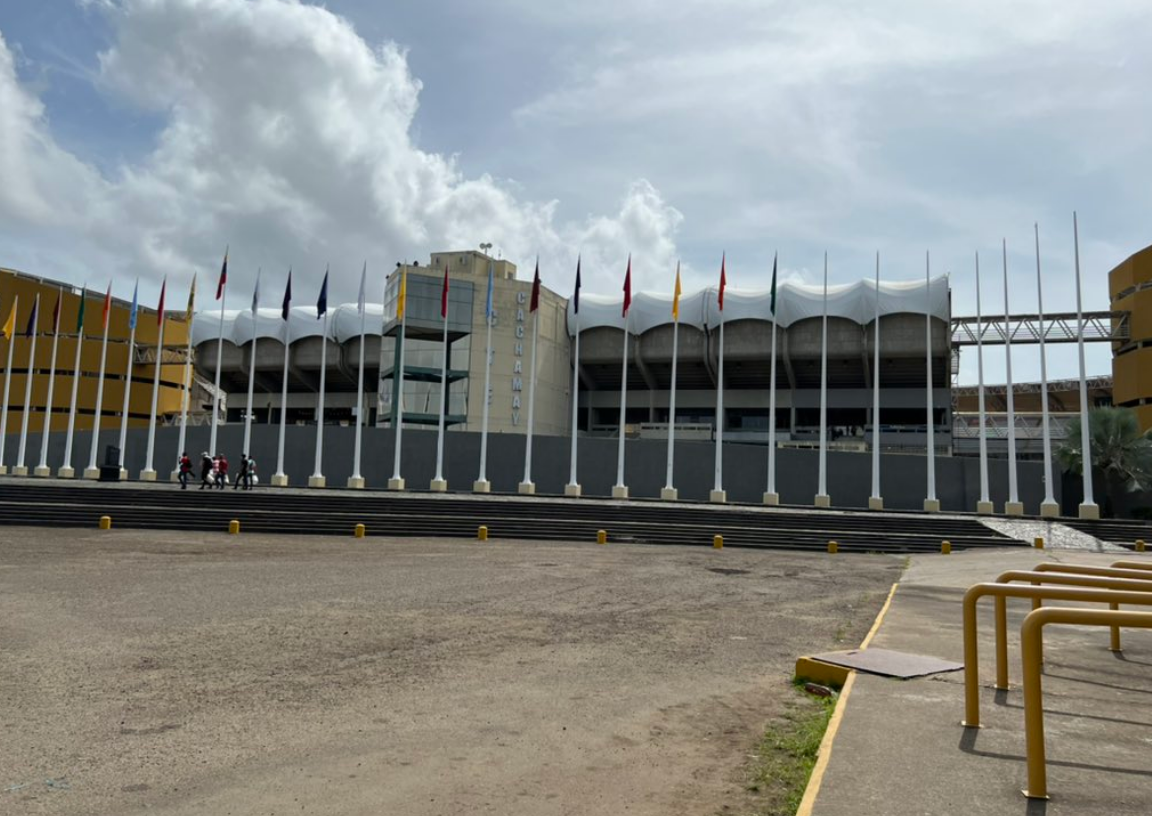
column 1055, row 593
column 1140, row 565
column 1032, row 650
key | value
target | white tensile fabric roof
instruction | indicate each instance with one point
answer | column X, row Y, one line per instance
column 343, row 324
column 794, row 302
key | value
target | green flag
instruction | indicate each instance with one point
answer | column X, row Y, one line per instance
column 80, row 314
column 772, row 301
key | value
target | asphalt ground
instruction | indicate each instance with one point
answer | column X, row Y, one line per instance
column 192, row 673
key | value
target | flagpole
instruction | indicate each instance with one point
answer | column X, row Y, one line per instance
column 620, row 490
column 93, row 472
column 149, row 473
column 20, row 469
column 771, row 497
column 356, row 480
column 185, row 398
column 822, row 497
column 247, row 450
column 222, row 293
column 931, row 503
column 127, row 394
column 397, row 480
column 1013, row 507
column 317, row 478
column 66, row 471
column 528, row 486
column 573, row 487
column 280, row 478
column 1048, row 508
column 876, row 501
column 669, row 493
column 439, row 484
column 7, row 380
column 482, row 485
column 718, row 494
column 984, row 506
column 1088, row 508
column 42, row 469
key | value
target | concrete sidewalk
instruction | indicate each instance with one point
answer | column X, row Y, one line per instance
column 900, row 748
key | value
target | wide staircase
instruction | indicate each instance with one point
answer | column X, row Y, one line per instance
column 1125, row 532
column 272, row 511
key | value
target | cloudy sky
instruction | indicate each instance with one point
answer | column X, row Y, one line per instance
column 139, row 137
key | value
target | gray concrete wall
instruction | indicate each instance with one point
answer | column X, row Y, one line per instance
column 745, row 466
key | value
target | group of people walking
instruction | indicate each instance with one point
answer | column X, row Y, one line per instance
column 214, row 471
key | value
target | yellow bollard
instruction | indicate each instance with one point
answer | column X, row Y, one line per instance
column 105, row 522
column 1038, row 542
column 233, row 527
column 1139, row 545
column 359, row 532
column 945, row 547
column 718, row 542
column 833, row 547
column 601, row 536
column 482, row 533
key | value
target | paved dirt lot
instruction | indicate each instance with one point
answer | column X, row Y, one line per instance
column 150, row 671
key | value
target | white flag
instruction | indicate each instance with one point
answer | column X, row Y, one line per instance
column 360, row 299
column 256, row 293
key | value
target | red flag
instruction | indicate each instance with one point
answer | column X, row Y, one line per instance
column 160, row 308
column 535, row 303
column 444, row 296
column 628, row 286
column 223, row 277
column 107, row 307
column 723, row 283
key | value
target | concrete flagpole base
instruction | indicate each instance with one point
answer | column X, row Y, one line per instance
column 822, row 500
column 718, row 496
column 527, row 488
column 355, row 482
column 396, row 483
column 317, row 481
column 438, row 485
column 985, row 508
column 1089, row 511
column 1013, row 508
column 43, row 471
column 148, row 475
column 1049, row 509
column 174, row 476
column 875, row 502
column 3, row 470
column 669, row 494
column 481, row 486
column 619, row 491
column 91, row 473
column 772, row 499
column 66, row 472
column 20, row 470
column 279, row 480
column 572, row 491
column 931, row 505
column 123, row 474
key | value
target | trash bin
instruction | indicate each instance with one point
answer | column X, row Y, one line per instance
column 112, row 456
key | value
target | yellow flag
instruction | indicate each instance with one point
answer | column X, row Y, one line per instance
column 403, row 296
column 10, row 323
column 676, row 295
column 191, row 300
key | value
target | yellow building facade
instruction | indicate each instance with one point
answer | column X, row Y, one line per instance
column 25, row 287
column 1130, row 290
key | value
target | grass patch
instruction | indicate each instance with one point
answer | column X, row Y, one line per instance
column 787, row 754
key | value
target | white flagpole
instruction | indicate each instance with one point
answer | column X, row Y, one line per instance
column 1088, row 508
column 771, row 497
column 718, row 495
column 482, row 485
column 1048, row 507
column 438, row 483
column 317, row 478
column 356, row 480
column 149, row 473
column 669, row 492
column 876, row 501
column 66, row 471
column 1013, row 507
column 21, row 469
column 42, row 469
column 219, row 357
column 573, row 486
column 397, row 480
column 931, row 503
column 185, row 398
column 92, row 471
column 620, row 490
column 528, row 486
column 7, row 380
column 822, row 497
column 127, row 394
column 247, row 450
column 985, row 504
column 280, row 478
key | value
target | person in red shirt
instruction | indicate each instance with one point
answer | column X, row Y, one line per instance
column 222, row 468
column 185, row 469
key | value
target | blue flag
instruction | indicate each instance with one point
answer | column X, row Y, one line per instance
column 322, row 303
column 132, row 314
column 576, row 291
column 488, row 303
column 287, row 297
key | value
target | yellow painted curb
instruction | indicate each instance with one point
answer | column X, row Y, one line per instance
column 825, row 751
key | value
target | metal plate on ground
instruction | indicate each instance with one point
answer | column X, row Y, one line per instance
column 888, row 663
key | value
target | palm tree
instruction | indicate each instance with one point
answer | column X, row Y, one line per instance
column 1121, row 454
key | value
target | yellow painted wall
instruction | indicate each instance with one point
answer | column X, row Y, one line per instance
column 1132, row 370
column 26, row 287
